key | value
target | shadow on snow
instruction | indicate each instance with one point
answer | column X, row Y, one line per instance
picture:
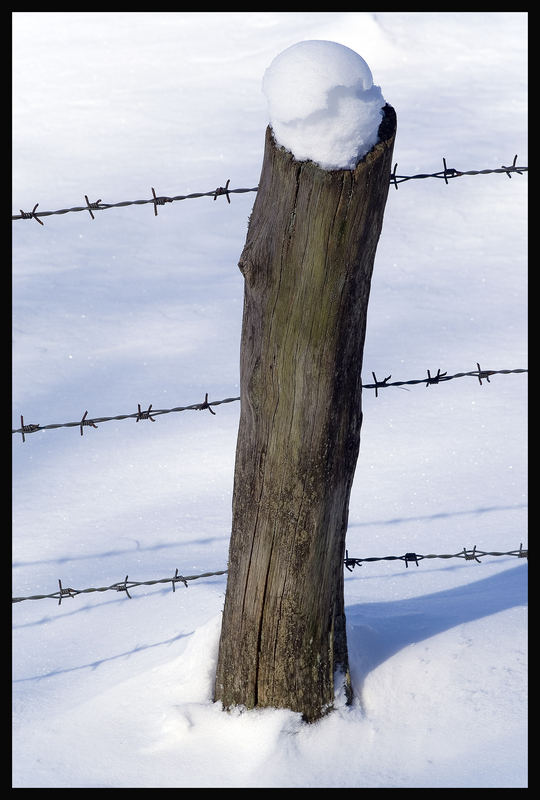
column 377, row 631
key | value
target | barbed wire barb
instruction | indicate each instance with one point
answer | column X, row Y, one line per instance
column 378, row 384
column 483, row 374
column 176, row 577
column 123, row 587
column 205, row 405
column 410, row 557
column 92, row 206
column 30, row 215
column 436, row 378
column 144, row 414
column 159, row 201
column 63, row 592
column 513, row 168
column 27, row 428
column 223, row 190
column 471, row 555
column 84, row 421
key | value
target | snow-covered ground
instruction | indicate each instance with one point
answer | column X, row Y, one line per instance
column 131, row 308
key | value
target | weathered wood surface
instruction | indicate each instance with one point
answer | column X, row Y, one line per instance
column 307, row 264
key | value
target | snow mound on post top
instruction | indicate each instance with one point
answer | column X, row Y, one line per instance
column 323, row 104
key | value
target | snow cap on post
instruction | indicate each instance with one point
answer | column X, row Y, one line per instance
column 322, row 103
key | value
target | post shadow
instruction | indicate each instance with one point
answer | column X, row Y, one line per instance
column 377, row 631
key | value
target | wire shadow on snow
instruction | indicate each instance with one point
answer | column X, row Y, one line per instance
column 113, row 553
column 438, row 515
column 98, row 662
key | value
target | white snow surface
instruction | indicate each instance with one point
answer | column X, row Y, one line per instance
column 322, row 103
column 132, row 308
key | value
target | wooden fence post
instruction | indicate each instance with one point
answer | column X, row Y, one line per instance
column 307, row 265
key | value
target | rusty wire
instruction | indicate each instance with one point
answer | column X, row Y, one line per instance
column 446, row 174
column 480, row 374
column 125, row 585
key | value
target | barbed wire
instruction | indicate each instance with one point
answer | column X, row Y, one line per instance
column 467, row 555
column 150, row 413
column 121, row 586
column 440, row 377
column 98, row 205
column 350, row 563
column 446, row 174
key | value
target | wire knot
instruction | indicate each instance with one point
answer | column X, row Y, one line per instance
column 205, row 404
column 176, row 577
column 470, row 555
column 159, row 201
column 144, row 414
column 122, row 587
column 513, row 168
column 88, row 422
column 223, row 190
column 27, row 428
column 393, row 176
column 483, row 374
column 436, row 378
column 379, row 384
column 64, row 592
column 92, row 206
column 449, row 172
column 351, row 563
column 31, row 214
column 411, row 557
